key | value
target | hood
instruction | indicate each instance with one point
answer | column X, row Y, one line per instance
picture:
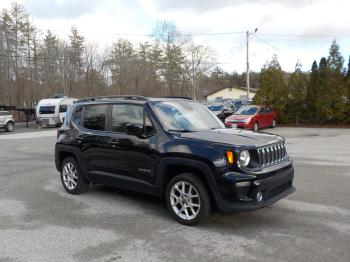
column 236, row 137
column 239, row 117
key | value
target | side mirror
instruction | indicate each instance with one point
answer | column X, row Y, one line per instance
column 134, row 129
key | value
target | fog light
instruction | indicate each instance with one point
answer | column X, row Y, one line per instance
column 259, row 196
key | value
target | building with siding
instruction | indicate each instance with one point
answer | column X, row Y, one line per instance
column 231, row 92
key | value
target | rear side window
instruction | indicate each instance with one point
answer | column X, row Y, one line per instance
column 95, row 117
column 46, row 110
column 124, row 114
column 63, row 108
column 5, row 113
column 77, row 115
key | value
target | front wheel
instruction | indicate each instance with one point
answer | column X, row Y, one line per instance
column 187, row 199
column 10, row 127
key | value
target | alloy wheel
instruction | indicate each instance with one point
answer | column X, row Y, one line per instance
column 70, row 176
column 185, row 200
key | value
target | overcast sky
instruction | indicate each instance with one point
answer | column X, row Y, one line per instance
column 293, row 29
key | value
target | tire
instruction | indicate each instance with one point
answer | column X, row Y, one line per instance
column 186, row 210
column 10, row 126
column 274, row 123
column 72, row 180
column 256, row 127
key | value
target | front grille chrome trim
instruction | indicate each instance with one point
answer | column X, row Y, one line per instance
column 272, row 154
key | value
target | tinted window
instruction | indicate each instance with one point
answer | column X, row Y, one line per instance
column 63, row 108
column 124, row 114
column 45, row 110
column 77, row 115
column 95, row 117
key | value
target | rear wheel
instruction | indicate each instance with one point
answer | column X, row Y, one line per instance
column 256, row 127
column 10, row 127
column 187, row 199
column 71, row 177
column 274, row 123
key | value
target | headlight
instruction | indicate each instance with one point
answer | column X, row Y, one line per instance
column 246, row 120
column 244, row 158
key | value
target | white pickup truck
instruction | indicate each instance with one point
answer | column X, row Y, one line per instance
column 6, row 121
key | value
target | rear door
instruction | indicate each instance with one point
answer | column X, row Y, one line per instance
column 262, row 117
column 269, row 116
column 92, row 137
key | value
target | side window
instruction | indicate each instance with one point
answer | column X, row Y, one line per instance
column 262, row 110
column 268, row 110
column 95, row 117
column 149, row 128
column 124, row 114
column 77, row 115
column 63, row 108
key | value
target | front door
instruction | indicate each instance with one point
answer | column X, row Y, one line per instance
column 131, row 158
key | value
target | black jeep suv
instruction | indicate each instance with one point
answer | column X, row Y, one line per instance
column 173, row 148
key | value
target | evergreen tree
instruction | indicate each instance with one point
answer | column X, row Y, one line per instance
column 336, row 87
column 312, row 92
column 272, row 91
column 297, row 88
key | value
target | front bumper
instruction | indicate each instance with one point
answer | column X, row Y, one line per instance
column 272, row 189
column 239, row 125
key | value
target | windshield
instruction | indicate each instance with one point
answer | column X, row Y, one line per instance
column 247, row 110
column 215, row 107
column 186, row 116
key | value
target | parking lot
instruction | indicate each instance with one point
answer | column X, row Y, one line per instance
column 39, row 221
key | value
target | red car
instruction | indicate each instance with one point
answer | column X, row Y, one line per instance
column 252, row 117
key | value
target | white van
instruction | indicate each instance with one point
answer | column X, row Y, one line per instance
column 52, row 111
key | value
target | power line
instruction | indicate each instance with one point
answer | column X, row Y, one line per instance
column 267, row 43
column 305, row 35
column 145, row 35
column 109, row 61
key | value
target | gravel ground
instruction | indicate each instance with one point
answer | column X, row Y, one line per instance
column 40, row 222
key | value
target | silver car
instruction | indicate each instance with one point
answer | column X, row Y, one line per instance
column 6, row 121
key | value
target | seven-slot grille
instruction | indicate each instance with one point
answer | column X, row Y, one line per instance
column 272, row 154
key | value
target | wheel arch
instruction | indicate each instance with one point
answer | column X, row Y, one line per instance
column 173, row 166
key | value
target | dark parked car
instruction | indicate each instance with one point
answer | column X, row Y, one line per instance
column 221, row 110
column 252, row 118
column 171, row 148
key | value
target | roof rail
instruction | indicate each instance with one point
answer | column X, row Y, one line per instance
column 125, row 97
column 179, row 97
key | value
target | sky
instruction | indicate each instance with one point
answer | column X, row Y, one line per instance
column 294, row 30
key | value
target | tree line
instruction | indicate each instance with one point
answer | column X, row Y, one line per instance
column 321, row 96
column 36, row 65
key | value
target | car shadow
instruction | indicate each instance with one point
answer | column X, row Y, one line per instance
column 156, row 206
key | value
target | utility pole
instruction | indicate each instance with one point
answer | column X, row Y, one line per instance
column 247, row 72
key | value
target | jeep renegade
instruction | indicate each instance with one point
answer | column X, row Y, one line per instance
column 173, row 148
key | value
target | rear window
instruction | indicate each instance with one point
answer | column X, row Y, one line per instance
column 5, row 113
column 95, row 117
column 45, row 110
column 216, row 107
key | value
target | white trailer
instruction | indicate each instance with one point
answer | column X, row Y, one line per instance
column 52, row 111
